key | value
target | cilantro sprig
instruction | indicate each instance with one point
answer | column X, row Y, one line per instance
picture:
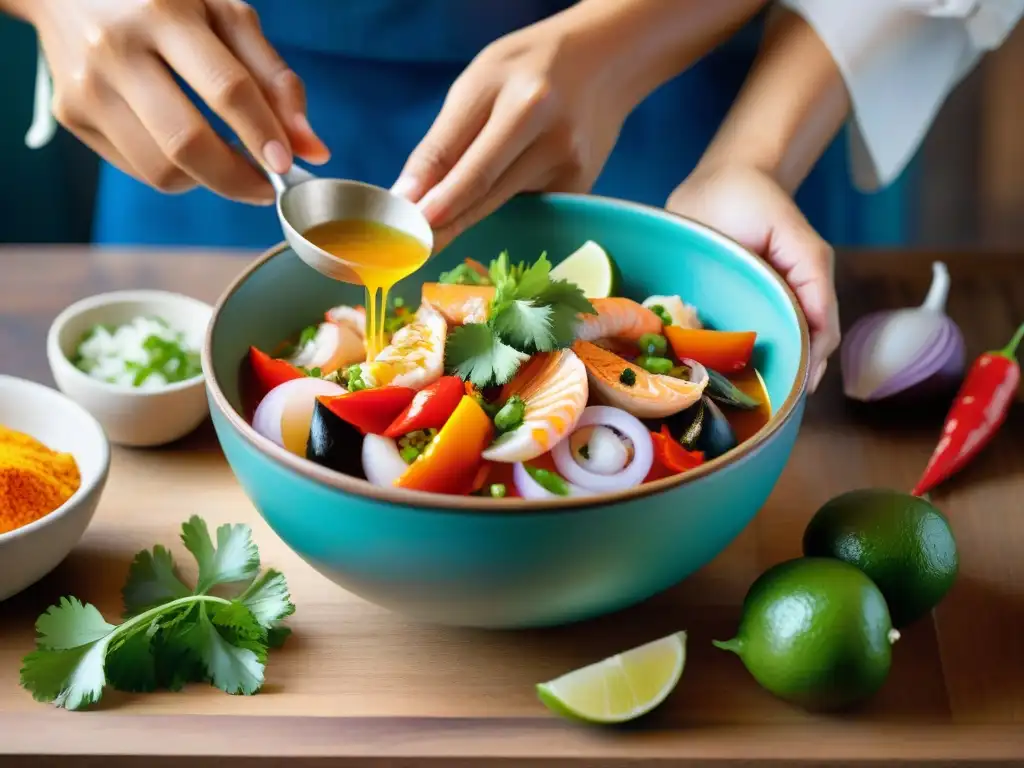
column 529, row 313
column 171, row 634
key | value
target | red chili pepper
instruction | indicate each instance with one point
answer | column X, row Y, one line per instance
column 370, row 410
column 430, row 408
column 671, row 455
column 724, row 351
column 270, row 372
column 977, row 413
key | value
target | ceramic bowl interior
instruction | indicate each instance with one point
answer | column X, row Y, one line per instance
column 508, row 562
column 30, row 552
column 131, row 416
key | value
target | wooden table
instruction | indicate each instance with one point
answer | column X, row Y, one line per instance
column 358, row 683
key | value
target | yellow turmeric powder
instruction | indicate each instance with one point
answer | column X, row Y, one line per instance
column 34, row 480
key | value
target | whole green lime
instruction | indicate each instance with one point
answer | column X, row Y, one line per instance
column 902, row 542
column 815, row 632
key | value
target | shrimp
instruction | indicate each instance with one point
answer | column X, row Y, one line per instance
column 352, row 317
column 643, row 394
column 415, row 356
column 617, row 318
column 333, row 346
column 553, row 387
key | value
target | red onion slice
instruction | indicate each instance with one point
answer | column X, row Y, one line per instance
column 530, row 489
column 625, row 424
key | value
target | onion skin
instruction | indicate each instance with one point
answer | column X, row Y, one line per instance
column 912, row 352
column 632, row 475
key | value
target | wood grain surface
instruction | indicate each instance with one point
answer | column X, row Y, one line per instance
column 367, row 687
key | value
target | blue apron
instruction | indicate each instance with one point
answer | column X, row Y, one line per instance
column 376, row 73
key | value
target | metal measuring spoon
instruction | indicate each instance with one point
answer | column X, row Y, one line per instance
column 305, row 200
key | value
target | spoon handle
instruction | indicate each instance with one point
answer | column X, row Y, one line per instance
column 281, row 182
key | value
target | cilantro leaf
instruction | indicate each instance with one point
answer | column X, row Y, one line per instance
column 234, row 559
column 71, row 624
column 172, row 635
column 533, row 280
column 499, row 269
column 525, row 325
column 234, row 668
column 268, row 600
column 474, row 353
column 152, row 580
column 564, row 293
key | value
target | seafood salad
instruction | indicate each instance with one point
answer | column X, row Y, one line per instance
column 513, row 380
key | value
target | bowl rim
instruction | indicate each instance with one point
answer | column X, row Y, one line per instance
column 111, row 299
column 425, row 501
column 87, row 487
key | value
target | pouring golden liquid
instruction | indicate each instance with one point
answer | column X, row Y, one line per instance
column 380, row 255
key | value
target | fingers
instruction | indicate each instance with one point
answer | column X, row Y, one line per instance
column 237, row 24
column 185, row 137
column 518, row 118
column 205, row 63
column 462, row 116
column 808, row 264
column 533, row 170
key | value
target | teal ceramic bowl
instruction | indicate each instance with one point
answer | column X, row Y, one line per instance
column 507, row 562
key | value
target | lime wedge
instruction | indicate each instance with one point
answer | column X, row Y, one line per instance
column 591, row 269
column 619, row 688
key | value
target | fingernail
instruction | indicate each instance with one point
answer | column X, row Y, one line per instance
column 277, row 158
column 429, row 207
column 406, row 186
column 302, row 124
column 817, row 376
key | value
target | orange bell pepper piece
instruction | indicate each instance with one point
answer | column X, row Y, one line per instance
column 452, row 460
column 724, row 351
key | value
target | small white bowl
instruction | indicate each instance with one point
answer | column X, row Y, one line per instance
column 32, row 551
column 130, row 416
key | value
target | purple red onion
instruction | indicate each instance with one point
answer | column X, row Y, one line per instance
column 895, row 351
column 626, row 425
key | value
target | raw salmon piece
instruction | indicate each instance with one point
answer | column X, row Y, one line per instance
column 651, row 396
column 617, row 318
column 459, row 303
column 553, row 386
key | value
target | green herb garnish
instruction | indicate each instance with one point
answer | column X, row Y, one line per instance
column 510, row 415
column 662, row 313
column 307, row 335
column 172, row 635
column 529, row 313
column 627, row 377
column 464, row 274
column 549, row 481
column 354, row 378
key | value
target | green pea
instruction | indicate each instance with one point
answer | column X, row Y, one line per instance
column 655, row 364
column 409, row 453
column 653, row 344
column 549, row 481
column 498, row 490
column 510, row 415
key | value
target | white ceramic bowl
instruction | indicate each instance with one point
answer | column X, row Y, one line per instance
column 131, row 416
column 32, row 551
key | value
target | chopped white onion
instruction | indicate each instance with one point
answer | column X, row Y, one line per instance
column 622, row 422
column 382, row 463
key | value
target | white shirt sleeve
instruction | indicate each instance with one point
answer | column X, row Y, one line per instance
column 900, row 60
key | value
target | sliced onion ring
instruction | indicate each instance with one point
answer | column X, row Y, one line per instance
column 626, row 424
column 296, row 397
column 698, row 373
column 530, row 489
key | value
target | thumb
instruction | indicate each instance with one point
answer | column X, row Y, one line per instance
column 462, row 116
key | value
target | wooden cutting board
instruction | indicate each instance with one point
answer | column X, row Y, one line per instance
column 359, row 683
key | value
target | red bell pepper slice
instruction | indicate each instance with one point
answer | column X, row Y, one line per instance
column 430, row 408
column 371, row 411
column 724, row 351
column 270, row 372
column 671, row 455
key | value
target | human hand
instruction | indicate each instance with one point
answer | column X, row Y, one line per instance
column 112, row 64
column 537, row 110
column 751, row 208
